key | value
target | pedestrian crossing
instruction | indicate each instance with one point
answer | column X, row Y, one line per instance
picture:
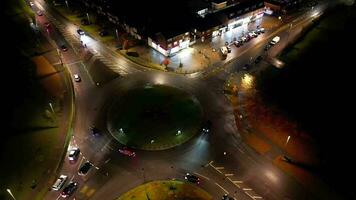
column 74, row 41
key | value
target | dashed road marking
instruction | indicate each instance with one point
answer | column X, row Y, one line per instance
column 222, row 188
column 246, row 189
column 229, row 174
column 202, row 175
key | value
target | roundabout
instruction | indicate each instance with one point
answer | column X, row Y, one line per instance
column 154, row 117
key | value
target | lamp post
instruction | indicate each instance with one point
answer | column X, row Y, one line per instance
column 288, row 138
column 88, row 18
column 67, row 3
column 9, row 191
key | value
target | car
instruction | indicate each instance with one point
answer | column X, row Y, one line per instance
column 127, row 152
column 246, row 66
column 260, row 30
column 252, row 34
column 244, row 39
column 73, row 154
column 206, row 126
column 31, row 3
column 64, row 48
column 84, row 21
column 258, row 59
column 77, row 78
column 267, row 47
column 238, row 43
column 224, row 51
column 191, row 178
column 59, row 182
column 80, row 32
column 94, row 131
column 227, row 197
column 69, row 189
column 228, row 49
column 47, row 24
column 39, row 13
column 275, row 40
column 103, row 32
column 83, row 170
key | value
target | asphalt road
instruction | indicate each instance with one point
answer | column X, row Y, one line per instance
column 241, row 172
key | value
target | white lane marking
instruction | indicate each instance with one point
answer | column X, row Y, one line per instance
column 71, row 178
column 218, row 168
column 246, row 189
column 237, row 181
column 106, row 161
column 80, row 163
column 229, row 174
column 72, row 63
column 201, row 175
column 222, row 188
column 59, row 196
column 249, row 195
column 257, row 197
column 87, row 73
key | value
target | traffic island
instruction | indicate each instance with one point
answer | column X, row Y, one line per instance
column 166, row 190
column 154, row 117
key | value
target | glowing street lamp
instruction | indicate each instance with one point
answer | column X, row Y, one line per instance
column 9, row 191
column 288, row 138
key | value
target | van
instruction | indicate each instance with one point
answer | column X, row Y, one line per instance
column 224, row 50
column 59, row 182
column 275, row 40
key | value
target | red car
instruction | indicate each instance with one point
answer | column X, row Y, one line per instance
column 127, row 152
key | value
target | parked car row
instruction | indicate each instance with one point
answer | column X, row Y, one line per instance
column 248, row 36
column 68, row 190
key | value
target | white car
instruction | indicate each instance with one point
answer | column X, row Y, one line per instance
column 224, row 50
column 76, row 78
column 31, row 3
column 59, row 182
column 275, row 40
column 73, row 154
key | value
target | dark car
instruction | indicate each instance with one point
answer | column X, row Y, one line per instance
column 83, row 170
column 267, row 47
column 84, row 22
column 206, row 126
column 80, row 32
column 191, row 178
column 226, row 197
column 69, row 189
column 228, row 49
column 258, row 59
column 103, row 33
column 246, row 66
column 64, row 48
column 94, row 131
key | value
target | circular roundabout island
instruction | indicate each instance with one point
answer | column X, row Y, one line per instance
column 166, row 190
column 154, row 117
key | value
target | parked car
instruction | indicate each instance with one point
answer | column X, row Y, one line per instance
column 267, row 47
column 191, row 178
column 59, row 182
column 73, row 154
column 31, row 3
column 260, row 30
column 84, row 21
column 80, row 32
column 228, row 49
column 83, row 170
column 103, row 32
column 128, row 152
column 69, row 189
column 224, row 51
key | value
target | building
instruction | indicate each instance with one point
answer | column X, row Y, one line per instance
column 282, row 6
column 171, row 27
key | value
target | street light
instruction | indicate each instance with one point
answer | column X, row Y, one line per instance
column 88, row 18
column 67, row 4
column 50, row 105
column 9, row 191
column 287, row 140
